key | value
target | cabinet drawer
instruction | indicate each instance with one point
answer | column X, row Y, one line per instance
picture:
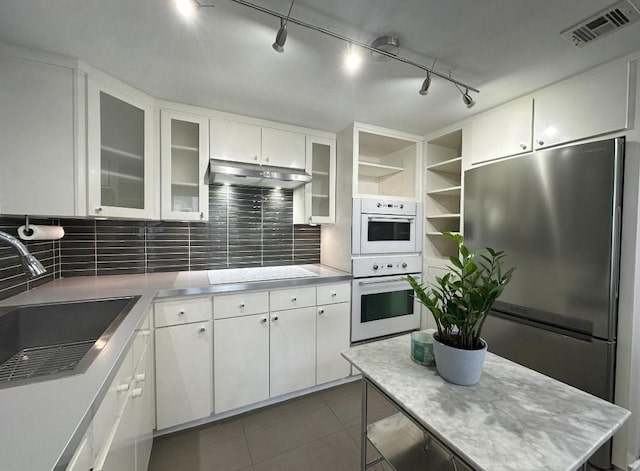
column 331, row 294
column 292, row 298
column 242, row 304
column 182, row 311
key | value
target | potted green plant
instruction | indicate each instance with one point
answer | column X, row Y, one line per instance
column 460, row 301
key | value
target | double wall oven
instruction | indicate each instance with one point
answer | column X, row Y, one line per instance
column 386, row 245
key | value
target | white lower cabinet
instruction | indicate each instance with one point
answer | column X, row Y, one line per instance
column 333, row 323
column 120, row 435
column 184, row 373
column 241, row 357
column 292, row 352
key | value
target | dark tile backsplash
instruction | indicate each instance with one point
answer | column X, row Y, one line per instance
column 247, row 227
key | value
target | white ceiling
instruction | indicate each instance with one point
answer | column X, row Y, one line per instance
column 224, row 60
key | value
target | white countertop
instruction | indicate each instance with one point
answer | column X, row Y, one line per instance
column 513, row 419
column 42, row 423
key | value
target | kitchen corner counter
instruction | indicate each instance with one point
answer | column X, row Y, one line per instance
column 43, row 422
column 514, row 418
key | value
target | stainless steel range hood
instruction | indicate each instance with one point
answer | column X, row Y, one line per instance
column 236, row 173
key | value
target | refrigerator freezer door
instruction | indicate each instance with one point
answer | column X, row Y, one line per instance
column 586, row 364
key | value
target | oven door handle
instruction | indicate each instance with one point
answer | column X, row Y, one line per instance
column 386, row 280
column 390, row 219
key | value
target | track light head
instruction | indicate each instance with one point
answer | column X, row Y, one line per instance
column 426, row 84
column 281, row 38
column 466, row 98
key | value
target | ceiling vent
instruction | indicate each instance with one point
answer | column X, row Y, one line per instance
column 601, row 24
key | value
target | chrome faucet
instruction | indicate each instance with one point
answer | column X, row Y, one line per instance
column 31, row 264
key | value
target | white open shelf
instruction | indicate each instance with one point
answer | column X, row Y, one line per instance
column 448, row 166
column 369, row 169
column 436, row 233
column 187, row 148
column 188, row 184
column 450, row 191
column 444, row 216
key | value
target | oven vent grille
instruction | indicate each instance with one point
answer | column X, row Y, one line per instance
column 601, row 24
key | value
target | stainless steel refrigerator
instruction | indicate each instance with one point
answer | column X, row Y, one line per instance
column 556, row 213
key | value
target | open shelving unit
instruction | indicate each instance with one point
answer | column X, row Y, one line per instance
column 443, row 202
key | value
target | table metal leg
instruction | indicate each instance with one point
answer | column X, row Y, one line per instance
column 363, row 427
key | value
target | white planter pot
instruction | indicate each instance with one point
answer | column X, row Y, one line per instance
column 463, row 367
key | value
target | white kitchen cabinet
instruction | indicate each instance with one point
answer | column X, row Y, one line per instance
column 181, row 311
column 184, row 373
column 315, row 202
column 143, row 396
column 333, row 323
column 251, row 143
column 43, row 169
column 121, row 170
column 590, row 104
column 241, row 361
column 292, row 350
column 235, row 141
column 121, row 455
column 443, row 182
column 282, row 148
column 504, row 131
column 386, row 162
column 292, row 298
column 184, row 154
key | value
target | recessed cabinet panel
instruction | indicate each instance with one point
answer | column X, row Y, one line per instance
column 184, row 373
column 590, row 104
column 241, row 356
column 238, row 142
column 292, row 351
column 502, row 132
column 185, row 157
column 333, row 323
column 283, row 148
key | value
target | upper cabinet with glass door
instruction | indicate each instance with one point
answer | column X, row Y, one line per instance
column 386, row 163
column 315, row 203
column 184, row 158
column 120, row 133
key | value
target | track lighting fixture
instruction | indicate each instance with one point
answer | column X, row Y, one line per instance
column 281, row 37
column 426, row 84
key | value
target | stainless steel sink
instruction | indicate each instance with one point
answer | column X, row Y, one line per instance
column 48, row 341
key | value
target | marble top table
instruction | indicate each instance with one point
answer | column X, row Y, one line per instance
column 513, row 419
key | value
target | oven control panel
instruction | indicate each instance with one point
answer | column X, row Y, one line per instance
column 381, row 265
column 391, row 207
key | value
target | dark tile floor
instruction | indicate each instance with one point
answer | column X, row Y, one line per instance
column 320, row 431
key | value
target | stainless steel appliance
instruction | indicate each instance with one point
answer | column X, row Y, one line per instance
column 386, row 226
column 382, row 300
column 556, row 213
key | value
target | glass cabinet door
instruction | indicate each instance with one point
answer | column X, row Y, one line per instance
column 185, row 157
column 120, row 135
column 121, row 153
column 321, row 194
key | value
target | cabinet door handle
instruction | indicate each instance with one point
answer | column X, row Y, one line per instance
column 523, row 146
column 274, row 318
column 201, row 215
column 98, row 210
column 141, row 377
column 202, row 329
column 334, row 294
column 122, row 387
column 263, row 320
column 181, row 313
column 255, row 157
column 321, row 311
column 242, row 306
column 294, row 299
column 137, row 392
column 540, row 142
